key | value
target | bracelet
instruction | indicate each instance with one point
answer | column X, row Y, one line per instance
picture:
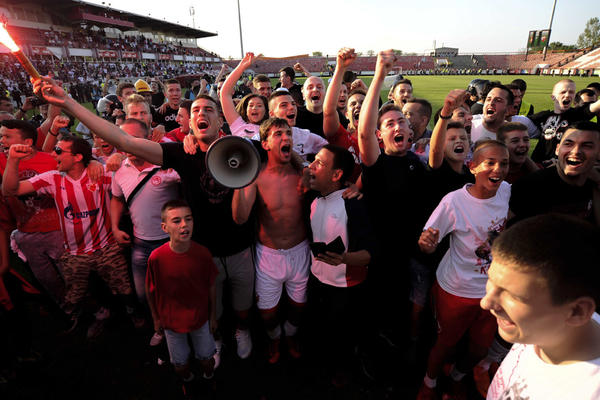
column 53, row 134
column 443, row 117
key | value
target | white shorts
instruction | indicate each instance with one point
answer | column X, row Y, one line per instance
column 274, row 268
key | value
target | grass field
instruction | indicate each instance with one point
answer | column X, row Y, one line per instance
column 435, row 88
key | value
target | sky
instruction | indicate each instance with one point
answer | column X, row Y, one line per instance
column 285, row 28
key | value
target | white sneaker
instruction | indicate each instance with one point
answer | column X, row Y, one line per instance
column 244, row 343
column 217, row 355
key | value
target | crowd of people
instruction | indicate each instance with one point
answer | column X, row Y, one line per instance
column 375, row 226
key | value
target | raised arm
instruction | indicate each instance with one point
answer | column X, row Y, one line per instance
column 213, row 88
column 331, row 119
column 438, row 138
column 242, row 203
column 11, row 185
column 226, row 94
column 301, row 68
column 367, row 122
column 146, row 149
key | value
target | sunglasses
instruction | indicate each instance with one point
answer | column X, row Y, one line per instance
column 59, row 151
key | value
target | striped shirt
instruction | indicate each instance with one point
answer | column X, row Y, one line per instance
column 83, row 209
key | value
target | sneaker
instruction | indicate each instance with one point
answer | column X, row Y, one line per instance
column 273, row 355
column 156, row 339
column 97, row 327
column 481, row 377
column 244, row 343
column 427, row 393
column 293, row 346
column 217, row 355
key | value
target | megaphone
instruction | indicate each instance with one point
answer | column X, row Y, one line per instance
column 233, row 161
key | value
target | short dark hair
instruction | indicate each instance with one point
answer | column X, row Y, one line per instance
column 172, row 81
column 124, row 85
column 349, row 76
column 78, row 146
column 279, row 93
column 386, row 108
column 594, row 85
column 580, row 126
column 242, row 106
column 139, row 123
column 509, row 127
column 425, row 105
column 170, row 205
column 187, row 104
column 5, row 98
column 356, row 91
column 206, row 97
column 261, row 78
column 400, row 81
column 569, row 260
column 289, row 71
column 520, row 84
column 266, row 126
column 577, row 100
column 343, row 160
column 455, row 125
column 27, row 130
column 510, row 98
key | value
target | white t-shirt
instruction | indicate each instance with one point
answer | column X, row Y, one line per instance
column 524, row 375
column 472, row 224
column 478, row 131
column 244, row 129
column 305, row 142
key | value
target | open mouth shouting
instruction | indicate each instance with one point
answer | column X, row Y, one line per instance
column 495, row 180
column 459, row 148
column 286, row 150
column 574, row 161
column 490, row 112
column 202, row 125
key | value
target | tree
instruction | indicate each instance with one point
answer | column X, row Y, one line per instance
column 561, row 46
column 317, row 54
column 590, row 35
column 398, row 52
column 370, row 53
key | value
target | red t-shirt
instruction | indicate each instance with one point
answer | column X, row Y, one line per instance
column 179, row 284
column 33, row 212
column 176, row 135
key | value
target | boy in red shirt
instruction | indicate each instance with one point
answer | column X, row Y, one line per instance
column 180, row 285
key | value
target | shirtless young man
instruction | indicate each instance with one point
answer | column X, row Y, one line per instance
column 282, row 252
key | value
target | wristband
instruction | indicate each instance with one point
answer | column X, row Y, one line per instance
column 445, row 117
column 53, row 134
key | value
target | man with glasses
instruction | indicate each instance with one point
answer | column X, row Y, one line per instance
column 83, row 210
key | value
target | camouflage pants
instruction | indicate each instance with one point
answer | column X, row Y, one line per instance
column 108, row 262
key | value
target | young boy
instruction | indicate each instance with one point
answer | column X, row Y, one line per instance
column 545, row 302
column 180, row 285
column 473, row 215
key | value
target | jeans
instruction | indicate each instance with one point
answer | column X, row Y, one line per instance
column 140, row 252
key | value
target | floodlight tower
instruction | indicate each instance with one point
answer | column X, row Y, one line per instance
column 549, row 31
column 240, row 24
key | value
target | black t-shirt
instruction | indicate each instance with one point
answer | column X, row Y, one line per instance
column 477, row 108
column 311, row 121
column 168, row 118
column 548, row 122
column 395, row 192
column 158, row 99
column 444, row 180
column 296, row 92
column 210, row 202
column 543, row 192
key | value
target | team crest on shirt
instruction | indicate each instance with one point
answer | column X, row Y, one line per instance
column 156, row 180
column 92, row 186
